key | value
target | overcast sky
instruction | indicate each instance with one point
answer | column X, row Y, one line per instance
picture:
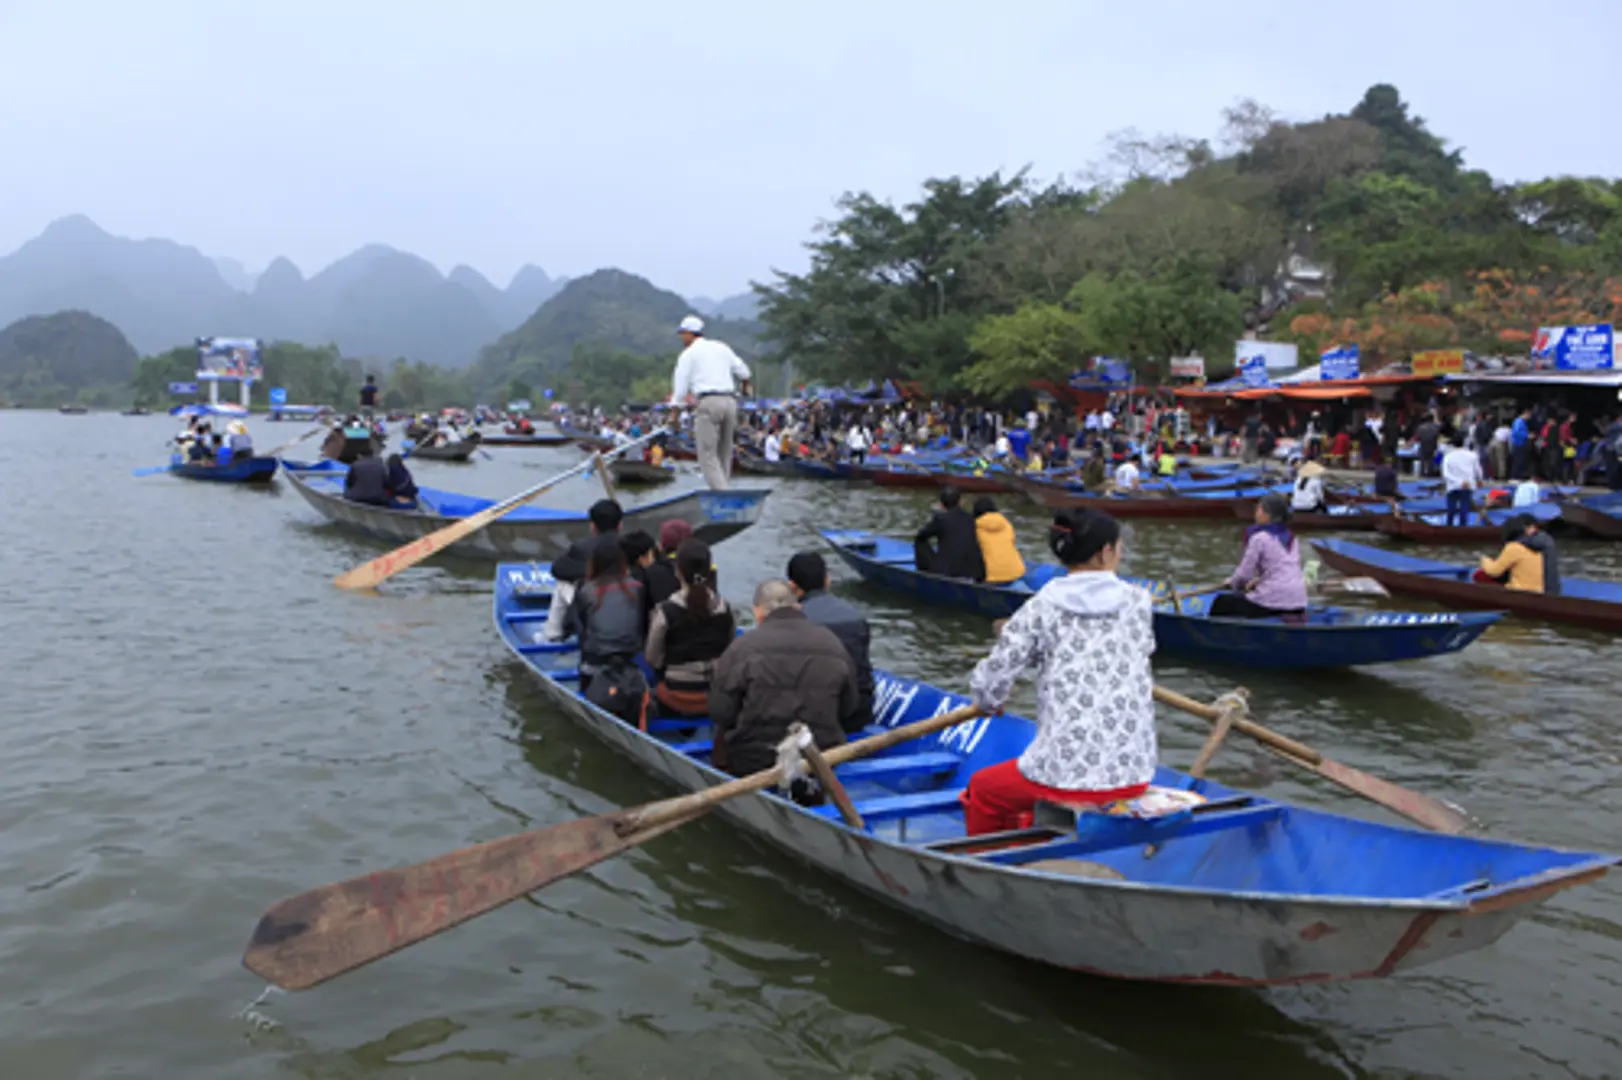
column 698, row 143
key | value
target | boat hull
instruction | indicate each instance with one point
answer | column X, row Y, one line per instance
column 527, row 440
column 1594, row 520
column 456, row 451
column 759, row 466
column 1453, row 585
column 1365, row 520
column 1184, row 629
column 714, row 516
column 632, row 473
column 1423, row 532
column 254, row 470
column 1116, row 928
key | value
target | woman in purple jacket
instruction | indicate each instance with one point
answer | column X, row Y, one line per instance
column 1268, row 580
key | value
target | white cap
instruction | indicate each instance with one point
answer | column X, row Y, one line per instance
column 692, row 325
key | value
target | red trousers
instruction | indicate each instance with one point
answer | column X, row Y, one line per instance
column 999, row 798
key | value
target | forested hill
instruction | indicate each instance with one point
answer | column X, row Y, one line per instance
column 70, row 355
column 1360, row 227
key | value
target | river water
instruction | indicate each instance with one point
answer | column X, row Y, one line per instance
column 198, row 724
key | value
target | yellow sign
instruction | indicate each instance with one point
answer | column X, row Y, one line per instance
column 1439, row 362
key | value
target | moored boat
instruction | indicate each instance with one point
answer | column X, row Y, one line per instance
column 539, row 439
column 249, row 470
column 1209, row 505
column 1485, row 527
column 755, row 464
column 1582, row 601
column 1352, row 517
column 1235, row 890
column 1597, row 515
column 529, row 532
column 1325, row 637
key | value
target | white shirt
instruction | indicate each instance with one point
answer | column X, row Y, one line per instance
column 1308, row 494
column 856, row 439
column 1126, row 477
column 707, row 367
column 1091, row 423
column 1461, row 469
column 1501, row 433
column 1106, row 420
column 1001, row 449
column 1527, row 493
column 773, row 449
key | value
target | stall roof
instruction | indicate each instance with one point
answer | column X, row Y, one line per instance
column 1602, row 379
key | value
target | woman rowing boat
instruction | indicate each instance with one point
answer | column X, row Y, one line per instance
column 1089, row 635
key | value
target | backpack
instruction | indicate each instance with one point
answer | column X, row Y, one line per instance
column 619, row 688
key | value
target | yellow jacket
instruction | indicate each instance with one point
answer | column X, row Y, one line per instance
column 1003, row 561
column 1523, row 565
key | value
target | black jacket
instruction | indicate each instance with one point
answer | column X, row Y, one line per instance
column 572, row 567
column 956, row 552
column 662, row 582
column 849, row 625
column 367, row 482
column 608, row 621
column 786, row 670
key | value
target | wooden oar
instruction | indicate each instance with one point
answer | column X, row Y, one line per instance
column 294, row 442
column 380, row 569
column 1421, row 809
column 307, row 939
column 152, row 470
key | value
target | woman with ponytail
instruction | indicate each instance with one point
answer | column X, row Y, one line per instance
column 688, row 633
column 1088, row 635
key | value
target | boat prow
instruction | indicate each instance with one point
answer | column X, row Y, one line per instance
column 1238, row 890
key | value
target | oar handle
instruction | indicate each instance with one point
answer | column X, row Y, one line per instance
column 687, row 805
column 1261, row 734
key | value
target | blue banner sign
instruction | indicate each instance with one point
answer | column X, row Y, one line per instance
column 278, row 395
column 1341, row 362
column 1253, row 369
column 1576, row 348
column 183, row 388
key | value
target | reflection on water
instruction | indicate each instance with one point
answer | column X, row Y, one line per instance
column 198, row 723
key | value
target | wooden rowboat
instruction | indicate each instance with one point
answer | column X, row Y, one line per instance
column 1325, row 637
column 461, row 450
column 750, row 462
column 1598, row 515
column 538, row 440
column 1215, row 505
column 1585, row 602
column 248, row 470
column 529, row 532
column 1357, row 517
column 633, row 473
column 1239, row 890
column 1487, row 527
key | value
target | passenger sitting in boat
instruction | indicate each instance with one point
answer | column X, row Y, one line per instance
column 241, row 442
column 605, row 516
column 401, row 486
column 1308, row 496
column 1268, row 580
column 1089, row 635
column 687, row 635
column 786, row 670
column 1126, row 477
column 1034, row 462
column 1092, row 474
column 808, row 574
column 640, row 550
column 216, row 446
column 997, row 549
column 1058, row 454
column 197, row 452
column 956, row 549
column 368, row 479
column 1527, row 562
column 1167, row 462
column 606, row 615
column 1385, row 481
column 662, row 580
column 656, row 453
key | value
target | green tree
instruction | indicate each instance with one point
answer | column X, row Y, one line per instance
column 1038, row 341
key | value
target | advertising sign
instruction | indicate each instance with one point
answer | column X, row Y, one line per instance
column 1576, row 348
column 1188, row 367
column 1341, row 362
column 1279, row 355
column 1253, row 369
column 278, row 395
column 229, row 358
column 1439, row 362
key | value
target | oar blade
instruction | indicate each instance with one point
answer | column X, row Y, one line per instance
column 307, row 939
column 152, row 470
column 1420, row 809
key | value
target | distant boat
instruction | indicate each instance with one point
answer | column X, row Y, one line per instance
column 137, row 411
column 73, row 410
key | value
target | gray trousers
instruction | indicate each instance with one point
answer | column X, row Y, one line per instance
column 715, row 418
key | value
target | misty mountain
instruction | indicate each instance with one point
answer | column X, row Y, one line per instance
column 376, row 302
column 608, row 308
column 49, row 359
column 744, row 305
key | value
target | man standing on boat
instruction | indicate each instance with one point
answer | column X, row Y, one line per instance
column 368, row 396
column 704, row 380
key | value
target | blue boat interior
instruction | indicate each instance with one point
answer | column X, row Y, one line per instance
column 328, row 476
column 1580, row 588
column 1234, row 842
column 898, row 554
column 1542, row 512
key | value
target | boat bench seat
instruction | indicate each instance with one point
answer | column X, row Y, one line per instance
column 534, row 614
column 677, row 723
column 699, row 748
column 900, row 806
column 899, row 765
column 543, row 647
column 1129, row 832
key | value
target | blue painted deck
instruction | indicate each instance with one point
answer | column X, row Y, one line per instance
column 1326, row 637
column 1241, row 890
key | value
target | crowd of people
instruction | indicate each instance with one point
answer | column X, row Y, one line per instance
column 200, row 444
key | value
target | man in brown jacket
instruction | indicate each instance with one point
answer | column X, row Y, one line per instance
column 786, row 669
